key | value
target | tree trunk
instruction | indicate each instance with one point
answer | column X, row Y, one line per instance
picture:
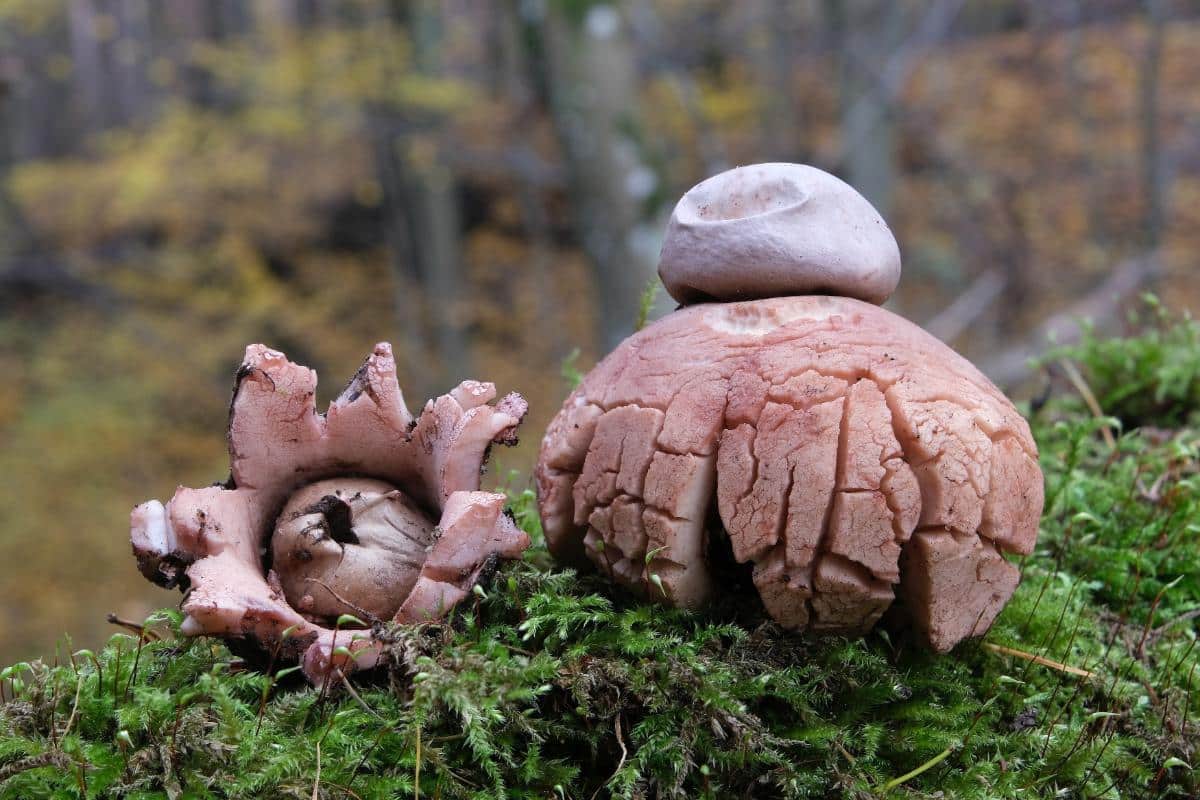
column 131, row 57
column 412, row 354
column 866, row 35
column 431, row 194
column 11, row 230
column 89, row 31
column 1097, row 231
column 515, row 85
column 1153, row 179
column 591, row 85
column 422, row 223
column 776, row 60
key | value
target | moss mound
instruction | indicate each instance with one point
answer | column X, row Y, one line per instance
column 550, row 685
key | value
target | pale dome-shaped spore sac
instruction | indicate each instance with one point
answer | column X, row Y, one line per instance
column 776, row 229
column 349, row 546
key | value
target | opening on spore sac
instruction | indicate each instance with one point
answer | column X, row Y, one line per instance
column 744, row 193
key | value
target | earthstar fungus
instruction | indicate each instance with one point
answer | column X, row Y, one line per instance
column 838, row 453
column 362, row 510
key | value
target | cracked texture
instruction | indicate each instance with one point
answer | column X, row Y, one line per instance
column 850, row 457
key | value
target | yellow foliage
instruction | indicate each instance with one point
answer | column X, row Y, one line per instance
column 32, row 16
column 203, row 228
column 732, row 100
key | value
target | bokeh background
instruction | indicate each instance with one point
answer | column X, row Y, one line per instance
column 485, row 185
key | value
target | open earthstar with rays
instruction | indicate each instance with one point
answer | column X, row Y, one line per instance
column 362, row 510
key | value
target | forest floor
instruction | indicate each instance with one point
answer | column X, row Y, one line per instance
column 549, row 684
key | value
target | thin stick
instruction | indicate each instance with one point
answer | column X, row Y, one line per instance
column 369, row 616
column 1108, row 739
column 621, row 742
column 1045, row 585
column 366, row 754
column 1036, row 659
column 345, row 789
column 262, row 701
column 1012, row 365
column 928, row 765
column 361, row 702
column 117, row 675
column 1066, row 707
column 624, row 754
column 1089, row 398
column 417, row 768
column 132, row 627
column 1187, row 700
column 1049, row 638
column 99, row 673
column 1058, row 684
column 1140, row 651
column 325, row 681
column 53, row 711
column 317, row 783
column 74, row 706
column 142, row 637
column 51, row 758
column 955, row 318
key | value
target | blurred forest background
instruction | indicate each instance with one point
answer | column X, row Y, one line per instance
column 485, row 184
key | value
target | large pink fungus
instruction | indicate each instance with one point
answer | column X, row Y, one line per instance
column 833, row 451
column 840, row 451
column 360, row 511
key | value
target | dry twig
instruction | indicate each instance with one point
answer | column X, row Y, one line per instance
column 1036, row 659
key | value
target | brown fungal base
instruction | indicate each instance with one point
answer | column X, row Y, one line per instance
column 850, row 455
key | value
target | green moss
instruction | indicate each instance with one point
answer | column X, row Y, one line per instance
column 552, row 685
column 1152, row 378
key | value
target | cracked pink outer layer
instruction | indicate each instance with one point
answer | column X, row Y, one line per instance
column 213, row 540
column 850, row 456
